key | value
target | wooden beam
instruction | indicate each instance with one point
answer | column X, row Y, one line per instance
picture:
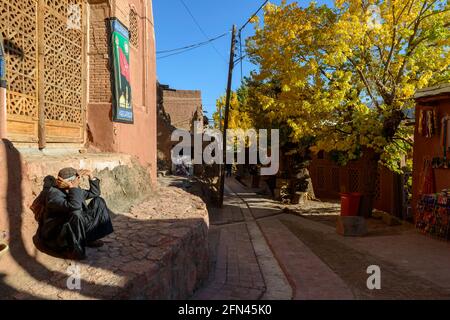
column 41, row 73
column 84, row 70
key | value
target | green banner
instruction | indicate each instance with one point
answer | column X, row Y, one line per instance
column 122, row 108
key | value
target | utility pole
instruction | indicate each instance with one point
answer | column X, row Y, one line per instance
column 227, row 111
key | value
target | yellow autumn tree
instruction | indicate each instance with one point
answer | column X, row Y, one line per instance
column 239, row 116
column 346, row 75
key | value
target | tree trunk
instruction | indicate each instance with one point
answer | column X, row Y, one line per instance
column 306, row 185
column 370, row 172
column 310, row 190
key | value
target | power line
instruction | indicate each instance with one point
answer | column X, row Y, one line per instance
column 241, row 58
column 238, row 60
column 188, row 48
column 196, row 45
column 176, row 53
column 201, row 29
column 257, row 11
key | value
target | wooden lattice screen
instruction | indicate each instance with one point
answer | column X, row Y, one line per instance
column 45, row 68
column 335, row 179
column 18, row 24
column 353, row 177
column 134, row 28
column 320, row 178
column 63, row 68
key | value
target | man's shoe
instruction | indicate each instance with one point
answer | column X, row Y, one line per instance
column 95, row 244
column 75, row 255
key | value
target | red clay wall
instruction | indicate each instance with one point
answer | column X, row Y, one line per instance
column 428, row 148
column 329, row 179
column 181, row 105
column 138, row 139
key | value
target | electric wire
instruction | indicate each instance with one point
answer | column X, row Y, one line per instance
column 254, row 15
column 176, row 51
column 195, row 45
column 201, row 30
column 241, row 58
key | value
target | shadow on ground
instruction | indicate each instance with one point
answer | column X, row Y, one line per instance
column 139, row 260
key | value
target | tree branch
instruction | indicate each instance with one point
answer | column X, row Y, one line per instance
column 366, row 83
column 404, row 140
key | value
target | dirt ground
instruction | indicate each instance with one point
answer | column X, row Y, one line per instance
column 349, row 264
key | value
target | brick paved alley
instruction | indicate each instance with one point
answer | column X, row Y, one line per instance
column 260, row 250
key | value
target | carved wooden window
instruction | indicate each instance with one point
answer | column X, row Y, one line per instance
column 335, row 179
column 321, row 178
column 353, row 180
column 18, row 27
column 134, row 28
column 63, row 64
column 27, row 25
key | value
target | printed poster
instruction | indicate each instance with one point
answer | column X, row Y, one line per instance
column 122, row 108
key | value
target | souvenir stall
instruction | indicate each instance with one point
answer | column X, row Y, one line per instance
column 431, row 162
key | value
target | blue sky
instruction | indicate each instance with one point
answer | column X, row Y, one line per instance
column 204, row 68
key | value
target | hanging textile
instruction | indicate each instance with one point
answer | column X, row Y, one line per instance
column 433, row 215
column 445, row 135
column 427, row 122
column 428, row 179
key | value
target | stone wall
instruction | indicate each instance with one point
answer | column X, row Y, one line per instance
column 159, row 249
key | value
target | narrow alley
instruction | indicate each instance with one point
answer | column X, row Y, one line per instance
column 258, row 251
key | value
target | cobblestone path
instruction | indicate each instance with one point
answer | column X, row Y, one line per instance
column 258, row 251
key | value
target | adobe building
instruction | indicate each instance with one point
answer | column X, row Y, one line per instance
column 80, row 92
column 177, row 109
column 182, row 106
column 66, row 84
column 431, row 170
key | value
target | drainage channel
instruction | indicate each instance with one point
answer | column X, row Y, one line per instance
column 277, row 285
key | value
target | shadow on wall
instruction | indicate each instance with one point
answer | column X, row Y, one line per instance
column 118, row 256
column 164, row 132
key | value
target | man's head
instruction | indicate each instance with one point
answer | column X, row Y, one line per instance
column 68, row 178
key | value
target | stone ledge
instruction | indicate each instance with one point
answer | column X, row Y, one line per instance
column 158, row 251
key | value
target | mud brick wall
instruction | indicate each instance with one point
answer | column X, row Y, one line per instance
column 182, row 106
column 99, row 77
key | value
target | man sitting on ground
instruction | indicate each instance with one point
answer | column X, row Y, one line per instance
column 69, row 224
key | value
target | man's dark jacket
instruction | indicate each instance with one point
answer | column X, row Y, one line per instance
column 67, row 219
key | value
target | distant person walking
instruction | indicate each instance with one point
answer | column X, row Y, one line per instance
column 229, row 169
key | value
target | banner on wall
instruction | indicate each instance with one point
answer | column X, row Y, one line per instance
column 122, row 108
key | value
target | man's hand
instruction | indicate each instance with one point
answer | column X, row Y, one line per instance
column 76, row 183
column 64, row 184
column 86, row 173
